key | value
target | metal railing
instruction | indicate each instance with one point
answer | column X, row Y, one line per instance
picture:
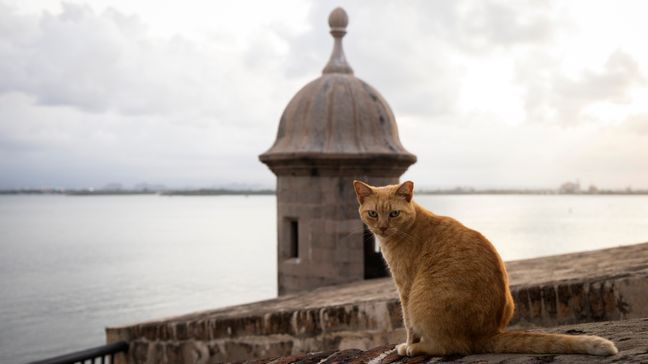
column 104, row 354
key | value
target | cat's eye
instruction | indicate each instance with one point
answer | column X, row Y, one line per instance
column 394, row 213
column 372, row 213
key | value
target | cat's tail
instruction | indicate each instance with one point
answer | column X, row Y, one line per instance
column 546, row 343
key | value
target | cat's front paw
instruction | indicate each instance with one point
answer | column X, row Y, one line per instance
column 414, row 349
column 401, row 349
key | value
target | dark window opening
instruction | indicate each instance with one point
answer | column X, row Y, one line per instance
column 293, row 236
column 374, row 264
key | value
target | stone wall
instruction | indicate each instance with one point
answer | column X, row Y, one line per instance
column 608, row 284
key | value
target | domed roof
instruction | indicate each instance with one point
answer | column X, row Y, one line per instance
column 337, row 117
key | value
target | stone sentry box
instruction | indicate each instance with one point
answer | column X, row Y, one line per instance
column 336, row 129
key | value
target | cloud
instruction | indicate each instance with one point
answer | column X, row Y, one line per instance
column 44, row 146
column 553, row 96
column 487, row 26
column 107, row 63
column 103, row 100
column 636, row 124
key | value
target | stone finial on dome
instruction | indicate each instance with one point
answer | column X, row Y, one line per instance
column 338, row 21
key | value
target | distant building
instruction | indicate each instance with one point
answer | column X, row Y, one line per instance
column 570, row 188
column 336, row 129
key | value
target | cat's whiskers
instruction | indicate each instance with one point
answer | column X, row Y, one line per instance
column 354, row 233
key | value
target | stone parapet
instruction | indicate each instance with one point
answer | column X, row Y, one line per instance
column 609, row 284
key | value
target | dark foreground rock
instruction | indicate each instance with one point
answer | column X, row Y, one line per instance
column 630, row 336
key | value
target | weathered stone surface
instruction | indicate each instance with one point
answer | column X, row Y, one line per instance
column 602, row 285
column 367, row 356
column 630, row 336
column 305, row 358
column 343, row 356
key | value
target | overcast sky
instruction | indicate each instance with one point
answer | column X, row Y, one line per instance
column 189, row 93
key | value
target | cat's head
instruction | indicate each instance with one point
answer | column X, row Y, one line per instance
column 386, row 210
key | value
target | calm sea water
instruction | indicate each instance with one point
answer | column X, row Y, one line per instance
column 70, row 266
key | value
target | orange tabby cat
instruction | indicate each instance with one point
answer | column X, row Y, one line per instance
column 453, row 285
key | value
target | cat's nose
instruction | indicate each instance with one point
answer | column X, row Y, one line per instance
column 383, row 228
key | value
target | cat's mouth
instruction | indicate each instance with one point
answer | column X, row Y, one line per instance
column 383, row 232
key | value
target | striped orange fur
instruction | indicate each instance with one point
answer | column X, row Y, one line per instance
column 452, row 283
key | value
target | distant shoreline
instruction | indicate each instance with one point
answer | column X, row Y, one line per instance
column 228, row 192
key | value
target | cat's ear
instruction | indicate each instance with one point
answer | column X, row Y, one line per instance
column 405, row 190
column 362, row 190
